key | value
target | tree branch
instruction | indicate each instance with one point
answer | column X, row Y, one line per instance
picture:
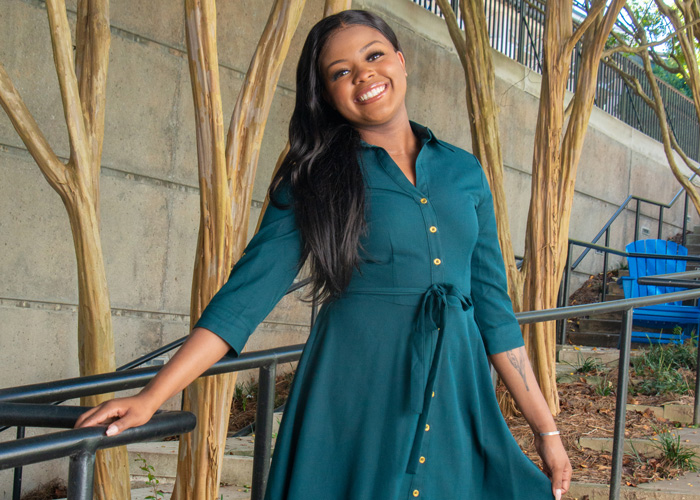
column 72, row 109
column 455, row 32
column 30, row 133
column 92, row 58
column 335, row 6
column 635, row 50
column 583, row 27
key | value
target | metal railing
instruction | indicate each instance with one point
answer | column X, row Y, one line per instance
column 565, row 288
column 516, row 29
column 268, row 360
column 80, row 445
column 140, row 361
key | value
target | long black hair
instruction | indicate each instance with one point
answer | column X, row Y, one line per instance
column 322, row 167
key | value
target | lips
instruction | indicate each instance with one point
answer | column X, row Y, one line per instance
column 372, row 93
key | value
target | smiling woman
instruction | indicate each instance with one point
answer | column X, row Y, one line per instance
column 392, row 398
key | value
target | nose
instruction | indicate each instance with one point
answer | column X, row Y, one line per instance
column 363, row 74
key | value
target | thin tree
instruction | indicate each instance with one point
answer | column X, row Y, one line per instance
column 226, row 174
column 557, row 151
column 77, row 181
column 685, row 19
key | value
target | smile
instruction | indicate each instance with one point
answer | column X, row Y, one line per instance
column 372, row 93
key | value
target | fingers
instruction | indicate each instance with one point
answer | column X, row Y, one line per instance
column 561, row 480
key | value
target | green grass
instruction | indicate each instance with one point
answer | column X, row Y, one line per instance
column 674, row 453
column 661, row 368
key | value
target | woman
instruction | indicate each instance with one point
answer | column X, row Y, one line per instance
column 392, row 397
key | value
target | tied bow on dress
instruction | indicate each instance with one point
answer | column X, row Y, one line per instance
column 431, row 315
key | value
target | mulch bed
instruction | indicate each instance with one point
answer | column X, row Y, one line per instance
column 48, row 491
column 585, row 413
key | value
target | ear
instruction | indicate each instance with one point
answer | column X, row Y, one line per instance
column 402, row 59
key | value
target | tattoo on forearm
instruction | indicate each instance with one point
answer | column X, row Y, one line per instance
column 518, row 362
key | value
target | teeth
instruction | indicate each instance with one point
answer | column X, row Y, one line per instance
column 372, row 93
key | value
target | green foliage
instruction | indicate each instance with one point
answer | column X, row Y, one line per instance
column 604, row 387
column 674, row 453
column 152, row 481
column 588, row 365
column 661, row 368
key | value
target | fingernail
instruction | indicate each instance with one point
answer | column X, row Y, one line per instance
column 112, row 430
column 557, row 495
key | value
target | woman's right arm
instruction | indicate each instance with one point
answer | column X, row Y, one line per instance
column 202, row 349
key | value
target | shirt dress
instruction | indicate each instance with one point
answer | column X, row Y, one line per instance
column 392, row 397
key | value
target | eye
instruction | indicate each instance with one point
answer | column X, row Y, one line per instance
column 338, row 74
column 375, row 55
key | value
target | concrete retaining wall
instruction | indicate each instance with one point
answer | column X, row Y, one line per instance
column 149, row 176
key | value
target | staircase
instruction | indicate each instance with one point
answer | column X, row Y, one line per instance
column 603, row 330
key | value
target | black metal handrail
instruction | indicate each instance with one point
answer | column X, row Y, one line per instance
column 17, row 480
column 78, row 444
column 662, row 206
column 267, row 362
column 564, row 289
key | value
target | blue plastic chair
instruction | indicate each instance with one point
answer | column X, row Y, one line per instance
column 663, row 316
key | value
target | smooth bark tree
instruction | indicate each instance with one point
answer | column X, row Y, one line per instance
column 331, row 7
column 685, row 19
column 226, row 174
column 556, row 153
column 82, row 84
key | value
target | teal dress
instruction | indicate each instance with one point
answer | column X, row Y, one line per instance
column 392, row 398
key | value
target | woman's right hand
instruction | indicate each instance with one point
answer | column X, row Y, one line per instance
column 120, row 414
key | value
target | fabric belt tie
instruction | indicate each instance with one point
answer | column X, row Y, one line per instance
column 431, row 315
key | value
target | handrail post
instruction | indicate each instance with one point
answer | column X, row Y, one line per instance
column 263, row 431
column 17, row 479
column 621, row 404
column 661, row 221
column 696, row 410
column 605, row 267
column 81, row 475
column 685, row 222
column 636, row 222
column 521, row 33
column 567, row 281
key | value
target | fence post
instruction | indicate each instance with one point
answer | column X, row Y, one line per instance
column 636, row 223
column 263, row 430
column 661, row 221
column 17, row 480
column 81, row 475
column 605, row 266
column 567, row 281
column 621, row 405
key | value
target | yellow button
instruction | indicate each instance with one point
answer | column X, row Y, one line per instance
column 433, row 229
column 433, row 393
column 423, row 201
column 427, row 427
column 416, row 493
column 421, row 460
column 437, row 262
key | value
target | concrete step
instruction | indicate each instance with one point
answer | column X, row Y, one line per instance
column 689, row 439
column 692, row 239
column 614, row 288
column 575, row 356
column 614, row 296
column 593, row 339
column 596, row 325
column 237, row 466
column 683, row 488
column 617, row 316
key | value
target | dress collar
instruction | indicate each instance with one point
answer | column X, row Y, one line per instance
column 422, row 132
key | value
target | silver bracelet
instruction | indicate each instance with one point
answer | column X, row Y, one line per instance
column 553, row 433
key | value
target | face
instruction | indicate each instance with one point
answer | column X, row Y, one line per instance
column 364, row 77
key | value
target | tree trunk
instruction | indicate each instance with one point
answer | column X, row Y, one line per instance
column 227, row 172
column 555, row 164
column 82, row 87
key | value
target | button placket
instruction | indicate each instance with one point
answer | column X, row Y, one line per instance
column 434, row 246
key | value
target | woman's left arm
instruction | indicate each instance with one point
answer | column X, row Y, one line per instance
column 514, row 368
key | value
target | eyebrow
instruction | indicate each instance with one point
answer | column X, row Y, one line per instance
column 362, row 50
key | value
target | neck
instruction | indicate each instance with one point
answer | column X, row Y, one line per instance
column 395, row 137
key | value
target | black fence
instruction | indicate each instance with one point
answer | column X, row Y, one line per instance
column 516, row 29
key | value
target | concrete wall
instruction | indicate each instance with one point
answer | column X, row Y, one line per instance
column 149, row 175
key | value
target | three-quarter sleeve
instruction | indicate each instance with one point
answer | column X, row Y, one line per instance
column 258, row 280
column 493, row 310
